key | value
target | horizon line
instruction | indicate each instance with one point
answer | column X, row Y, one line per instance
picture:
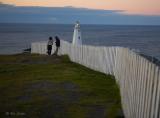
column 80, row 24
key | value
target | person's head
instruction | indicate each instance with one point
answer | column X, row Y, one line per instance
column 50, row 38
column 56, row 37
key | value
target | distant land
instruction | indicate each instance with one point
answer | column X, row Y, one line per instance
column 68, row 15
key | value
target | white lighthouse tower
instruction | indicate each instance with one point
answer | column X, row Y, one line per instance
column 77, row 39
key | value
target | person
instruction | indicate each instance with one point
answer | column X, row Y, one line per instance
column 49, row 46
column 57, row 44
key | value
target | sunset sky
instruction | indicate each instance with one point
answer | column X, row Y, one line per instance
column 138, row 7
column 110, row 12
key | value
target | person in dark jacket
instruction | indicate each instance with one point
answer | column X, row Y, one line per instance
column 49, row 46
column 57, row 44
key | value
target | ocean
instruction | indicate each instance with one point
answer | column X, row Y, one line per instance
column 14, row 38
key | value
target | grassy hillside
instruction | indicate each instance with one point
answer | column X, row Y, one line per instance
column 39, row 86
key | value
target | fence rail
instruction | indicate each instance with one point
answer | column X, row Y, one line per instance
column 138, row 78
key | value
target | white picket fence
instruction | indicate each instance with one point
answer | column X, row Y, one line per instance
column 137, row 78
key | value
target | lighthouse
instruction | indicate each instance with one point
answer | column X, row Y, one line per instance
column 77, row 39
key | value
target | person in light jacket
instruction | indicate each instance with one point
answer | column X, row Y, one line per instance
column 49, row 46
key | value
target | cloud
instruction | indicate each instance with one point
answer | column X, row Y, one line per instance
column 5, row 5
column 69, row 14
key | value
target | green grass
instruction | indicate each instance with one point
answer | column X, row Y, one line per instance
column 38, row 86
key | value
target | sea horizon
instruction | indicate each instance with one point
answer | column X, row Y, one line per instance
column 81, row 24
column 15, row 37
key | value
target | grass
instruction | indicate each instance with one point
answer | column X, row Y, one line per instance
column 39, row 86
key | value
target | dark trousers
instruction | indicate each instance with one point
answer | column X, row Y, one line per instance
column 56, row 51
column 49, row 49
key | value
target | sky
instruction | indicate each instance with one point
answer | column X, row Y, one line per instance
column 142, row 7
column 121, row 12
